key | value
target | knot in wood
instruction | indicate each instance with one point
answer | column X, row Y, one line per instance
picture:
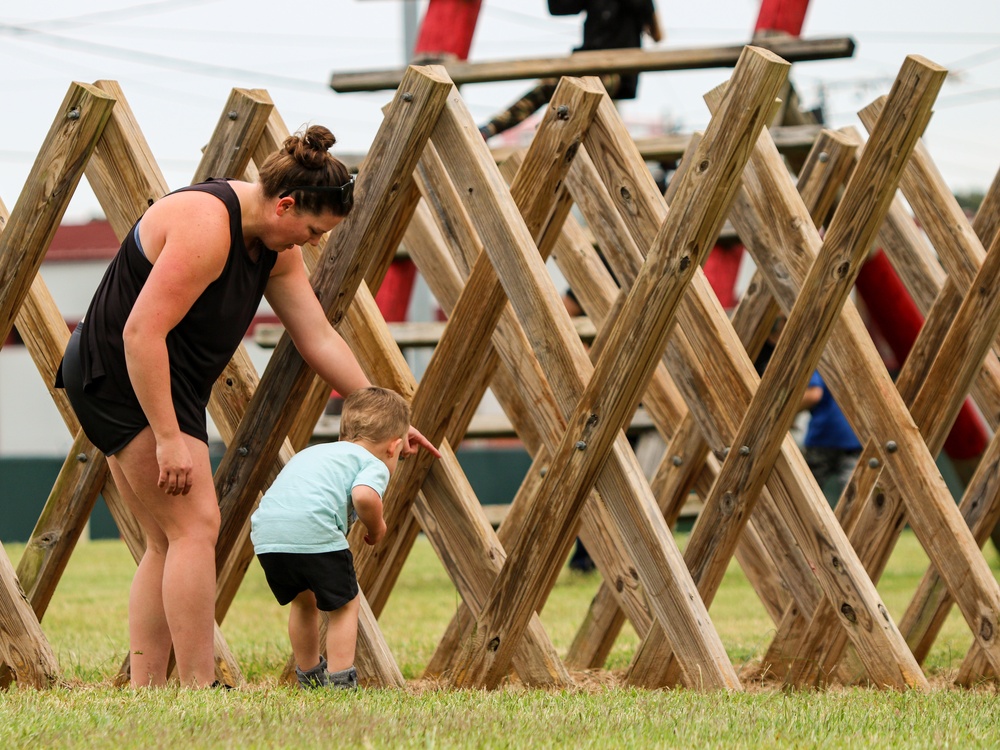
column 229, row 382
column 986, row 630
column 592, row 420
column 626, row 195
column 571, row 153
column 835, row 561
column 880, row 500
column 842, row 269
column 728, row 503
column 494, row 644
column 619, row 584
column 848, row 612
column 703, row 165
column 685, row 262
column 883, row 611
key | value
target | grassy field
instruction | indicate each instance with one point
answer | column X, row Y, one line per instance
column 86, row 625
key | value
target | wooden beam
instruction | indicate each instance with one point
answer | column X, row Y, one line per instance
column 619, row 377
column 34, row 219
column 598, row 62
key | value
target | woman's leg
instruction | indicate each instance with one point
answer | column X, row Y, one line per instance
column 303, row 630
column 342, row 635
column 181, row 566
column 149, row 636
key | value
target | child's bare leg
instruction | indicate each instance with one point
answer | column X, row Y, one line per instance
column 342, row 635
column 303, row 630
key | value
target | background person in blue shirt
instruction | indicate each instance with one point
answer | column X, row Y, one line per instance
column 830, row 446
column 299, row 531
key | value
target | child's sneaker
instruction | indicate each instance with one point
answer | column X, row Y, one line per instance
column 316, row 677
column 345, row 679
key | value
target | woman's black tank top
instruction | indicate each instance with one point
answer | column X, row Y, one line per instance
column 203, row 341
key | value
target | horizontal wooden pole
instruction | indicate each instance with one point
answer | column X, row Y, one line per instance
column 406, row 334
column 482, row 426
column 598, row 62
column 790, row 139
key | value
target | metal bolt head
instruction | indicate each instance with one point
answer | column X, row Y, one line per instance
column 562, row 112
column 81, row 457
column 243, row 451
column 823, row 157
column 891, row 446
column 73, row 114
column 543, row 471
column 407, row 96
column 744, row 450
column 874, row 463
column 581, row 445
column 677, row 460
column 232, row 114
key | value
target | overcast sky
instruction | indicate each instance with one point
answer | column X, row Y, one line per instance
column 177, row 61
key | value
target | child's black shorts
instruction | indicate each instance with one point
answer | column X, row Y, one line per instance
column 329, row 575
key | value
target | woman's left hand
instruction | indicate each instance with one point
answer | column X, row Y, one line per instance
column 416, row 440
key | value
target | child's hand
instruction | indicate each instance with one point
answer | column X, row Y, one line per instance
column 415, row 440
column 375, row 533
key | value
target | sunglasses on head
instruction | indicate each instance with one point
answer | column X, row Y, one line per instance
column 345, row 191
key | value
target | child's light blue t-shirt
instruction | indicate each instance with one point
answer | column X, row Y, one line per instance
column 306, row 509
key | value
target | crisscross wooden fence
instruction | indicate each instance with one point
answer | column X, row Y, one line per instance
column 480, row 235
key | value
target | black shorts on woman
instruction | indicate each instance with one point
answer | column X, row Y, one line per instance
column 94, row 372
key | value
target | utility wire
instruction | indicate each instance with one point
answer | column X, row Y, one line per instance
column 160, row 61
column 131, row 11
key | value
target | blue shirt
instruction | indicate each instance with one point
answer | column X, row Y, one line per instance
column 828, row 428
column 308, row 507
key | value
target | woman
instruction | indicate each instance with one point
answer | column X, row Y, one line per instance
column 171, row 310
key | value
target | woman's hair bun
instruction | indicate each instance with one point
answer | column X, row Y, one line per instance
column 310, row 148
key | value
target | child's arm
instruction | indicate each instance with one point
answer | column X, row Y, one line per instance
column 368, row 506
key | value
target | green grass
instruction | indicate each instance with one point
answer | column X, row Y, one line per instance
column 86, row 625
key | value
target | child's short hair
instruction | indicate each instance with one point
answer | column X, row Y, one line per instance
column 374, row 414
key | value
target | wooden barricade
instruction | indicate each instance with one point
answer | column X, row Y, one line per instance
column 480, row 235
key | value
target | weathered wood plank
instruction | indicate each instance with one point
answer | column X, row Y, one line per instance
column 821, row 177
column 926, row 612
column 598, row 62
column 43, row 201
column 27, row 234
column 620, row 375
column 822, row 295
column 442, row 375
column 597, row 531
column 918, row 474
